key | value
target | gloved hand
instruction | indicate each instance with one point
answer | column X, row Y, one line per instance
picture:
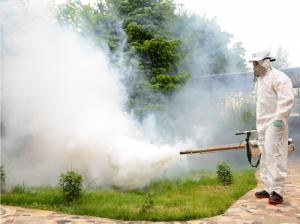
column 277, row 123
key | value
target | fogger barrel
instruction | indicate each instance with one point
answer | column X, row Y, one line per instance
column 251, row 146
column 252, row 143
column 214, row 148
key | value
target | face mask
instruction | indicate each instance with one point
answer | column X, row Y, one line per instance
column 260, row 67
column 259, row 70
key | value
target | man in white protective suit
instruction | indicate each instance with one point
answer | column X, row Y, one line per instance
column 274, row 101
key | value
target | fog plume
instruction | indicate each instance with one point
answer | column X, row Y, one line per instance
column 63, row 108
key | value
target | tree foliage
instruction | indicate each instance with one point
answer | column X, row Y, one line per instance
column 169, row 45
column 98, row 22
column 282, row 59
column 206, row 46
column 146, row 25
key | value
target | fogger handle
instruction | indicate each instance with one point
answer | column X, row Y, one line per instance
column 240, row 133
column 246, row 132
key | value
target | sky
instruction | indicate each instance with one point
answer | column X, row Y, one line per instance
column 257, row 24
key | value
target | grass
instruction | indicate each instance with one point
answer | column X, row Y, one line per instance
column 193, row 197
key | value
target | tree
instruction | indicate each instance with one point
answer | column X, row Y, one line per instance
column 237, row 55
column 166, row 46
column 98, row 22
column 145, row 24
column 282, row 59
column 207, row 46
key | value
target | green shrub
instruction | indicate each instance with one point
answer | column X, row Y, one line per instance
column 71, row 185
column 148, row 203
column 2, row 178
column 224, row 173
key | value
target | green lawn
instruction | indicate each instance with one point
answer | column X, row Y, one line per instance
column 193, row 197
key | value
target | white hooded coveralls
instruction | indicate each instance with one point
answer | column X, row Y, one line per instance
column 274, row 101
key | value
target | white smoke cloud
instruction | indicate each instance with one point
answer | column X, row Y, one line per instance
column 62, row 108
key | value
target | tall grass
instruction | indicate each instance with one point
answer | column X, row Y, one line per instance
column 197, row 196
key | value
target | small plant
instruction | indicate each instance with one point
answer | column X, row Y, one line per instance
column 18, row 189
column 224, row 173
column 2, row 178
column 148, row 203
column 71, row 185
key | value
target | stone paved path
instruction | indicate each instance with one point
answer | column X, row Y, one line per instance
column 246, row 210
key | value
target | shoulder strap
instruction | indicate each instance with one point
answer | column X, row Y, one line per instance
column 249, row 153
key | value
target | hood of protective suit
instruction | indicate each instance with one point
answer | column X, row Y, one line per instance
column 260, row 55
column 261, row 62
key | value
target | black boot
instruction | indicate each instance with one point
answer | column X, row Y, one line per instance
column 262, row 194
column 275, row 199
